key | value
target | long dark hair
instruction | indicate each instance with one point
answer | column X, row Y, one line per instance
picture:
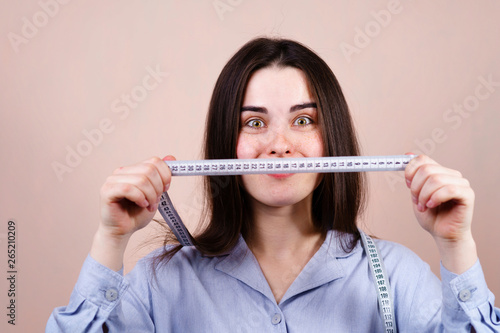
column 339, row 197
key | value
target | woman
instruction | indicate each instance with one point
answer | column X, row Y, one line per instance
column 280, row 252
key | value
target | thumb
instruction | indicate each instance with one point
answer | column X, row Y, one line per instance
column 169, row 158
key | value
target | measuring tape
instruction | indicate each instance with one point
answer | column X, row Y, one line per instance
column 231, row 167
column 381, row 281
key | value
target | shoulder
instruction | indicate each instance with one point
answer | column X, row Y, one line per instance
column 399, row 257
column 188, row 260
column 392, row 251
column 403, row 265
column 156, row 279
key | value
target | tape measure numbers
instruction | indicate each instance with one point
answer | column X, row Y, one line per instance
column 230, row 167
column 289, row 165
column 381, row 282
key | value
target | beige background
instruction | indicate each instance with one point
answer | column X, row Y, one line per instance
column 65, row 67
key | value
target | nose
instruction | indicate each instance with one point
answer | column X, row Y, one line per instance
column 280, row 145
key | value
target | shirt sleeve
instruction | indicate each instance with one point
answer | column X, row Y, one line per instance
column 98, row 302
column 424, row 303
column 466, row 298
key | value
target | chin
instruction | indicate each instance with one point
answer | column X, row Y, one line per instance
column 282, row 200
column 280, row 190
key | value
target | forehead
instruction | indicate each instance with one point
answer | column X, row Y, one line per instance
column 277, row 84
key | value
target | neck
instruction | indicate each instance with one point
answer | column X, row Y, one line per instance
column 283, row 231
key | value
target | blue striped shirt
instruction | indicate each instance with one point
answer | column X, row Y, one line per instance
column 334, row 292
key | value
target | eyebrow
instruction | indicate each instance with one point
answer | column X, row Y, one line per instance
column 292, row 109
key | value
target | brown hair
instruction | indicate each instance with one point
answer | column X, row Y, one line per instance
column 337, row 200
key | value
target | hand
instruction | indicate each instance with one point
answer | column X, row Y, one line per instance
column 130, row 196
column 443, row 202
column 129, row 199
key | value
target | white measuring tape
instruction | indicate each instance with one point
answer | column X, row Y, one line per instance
column 230, row 167
column 381, row 281
column 288, row 165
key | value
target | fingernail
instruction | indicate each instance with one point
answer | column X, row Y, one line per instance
column 408, row 183
column 420, row 207
column 430, row 204
column 166, row 187
column 145, row 204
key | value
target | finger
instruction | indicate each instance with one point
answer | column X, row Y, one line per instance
column 165, row 171
column 159, row 173
column 432, row 176
column 125, row 186
column 420, row 172
column 116, row 192
column 451, row 192
column 434, row 183
column 154, row 169
column 413, row 166
column 424, row 171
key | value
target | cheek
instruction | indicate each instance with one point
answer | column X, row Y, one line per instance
column 319, row 145
column 312, row 145
column 246, row 147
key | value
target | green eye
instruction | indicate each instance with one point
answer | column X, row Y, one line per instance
column 302, row 121
column 255, row 123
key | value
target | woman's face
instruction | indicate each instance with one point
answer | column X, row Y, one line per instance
column 279, row 119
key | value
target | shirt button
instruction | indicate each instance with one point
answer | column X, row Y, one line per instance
column 111, row 294
column 276, row 319
column 464, row 295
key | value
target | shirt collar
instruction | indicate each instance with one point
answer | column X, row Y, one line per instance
column 322, row 268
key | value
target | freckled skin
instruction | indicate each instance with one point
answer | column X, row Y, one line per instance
column 279, row 132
